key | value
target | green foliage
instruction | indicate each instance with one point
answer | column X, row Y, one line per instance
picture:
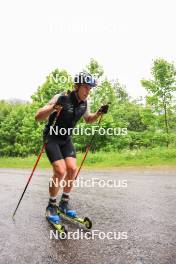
column 5, row 109
column 162, row 92
column 10, row 131
column 56, row 82
column 94, row 68
column 136, row 157
column 149, row 126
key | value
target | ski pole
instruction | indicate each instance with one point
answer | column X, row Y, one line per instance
column 36, row 163
column 87, row 149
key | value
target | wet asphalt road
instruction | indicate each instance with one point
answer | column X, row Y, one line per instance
column 145, row 210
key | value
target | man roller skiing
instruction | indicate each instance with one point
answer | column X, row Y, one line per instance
column 59, row 148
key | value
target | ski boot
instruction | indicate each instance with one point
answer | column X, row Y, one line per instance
column 65, row 208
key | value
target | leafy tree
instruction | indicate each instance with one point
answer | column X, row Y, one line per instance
column 148, row 125
column 56, row 82
column 94, row 68
column 161, row 89
column 10, row 131
column 5, row 109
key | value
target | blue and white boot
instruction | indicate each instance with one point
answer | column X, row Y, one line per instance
column 65, row 208
column 51, row 212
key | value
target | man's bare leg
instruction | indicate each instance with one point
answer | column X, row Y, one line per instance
column 69, row 178
column 70, row 174
column 59, row 170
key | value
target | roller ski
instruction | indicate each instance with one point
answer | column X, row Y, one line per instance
column 69, row 214
column 53, row 218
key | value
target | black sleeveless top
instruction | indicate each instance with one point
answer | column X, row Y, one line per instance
column 68, row 117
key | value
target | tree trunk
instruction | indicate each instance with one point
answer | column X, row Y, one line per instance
column 166, row 123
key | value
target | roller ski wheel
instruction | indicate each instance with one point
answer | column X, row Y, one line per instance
column 87, row 223
column 63, row 232
column 62, row 229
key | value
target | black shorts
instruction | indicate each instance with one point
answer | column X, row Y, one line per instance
column 57, row 149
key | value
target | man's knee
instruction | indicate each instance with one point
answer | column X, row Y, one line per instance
column 59, row 171
column 71, row 169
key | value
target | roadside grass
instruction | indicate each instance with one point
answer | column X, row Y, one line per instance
column 144, row 157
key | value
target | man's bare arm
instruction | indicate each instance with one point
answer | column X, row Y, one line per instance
column 92, row 117
column 56, row 103
column 44, row 112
